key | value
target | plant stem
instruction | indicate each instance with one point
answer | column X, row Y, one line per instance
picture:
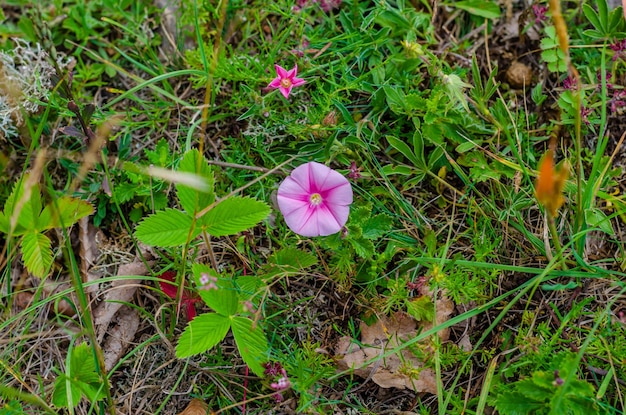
column 555, row 240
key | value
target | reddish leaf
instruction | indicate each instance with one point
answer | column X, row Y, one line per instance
column 188, row 299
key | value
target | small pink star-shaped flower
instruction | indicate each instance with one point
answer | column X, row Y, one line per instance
column 286, row 80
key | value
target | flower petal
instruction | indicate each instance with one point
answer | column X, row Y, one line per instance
column 297, row 81
column 294, row 202
column 286, row 91
column 292, row 72
column 303, row 175
column 281, row 72
column 275, row 83
column 293, row 189
column 298, row 218
column 323, row 222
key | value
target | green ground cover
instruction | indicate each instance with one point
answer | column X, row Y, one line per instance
column 319, row 206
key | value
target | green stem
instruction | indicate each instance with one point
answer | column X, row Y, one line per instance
column 556, row 241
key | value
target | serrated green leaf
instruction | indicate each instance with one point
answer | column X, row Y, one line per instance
column 60, row 397
column 194, row 200
column 4, row 223
column 65, row 212
column 481, row 8
column 538, row 388
column 161, row 154
column 251, row 342
column 233, row 215
column 166, row 228
column 124, row 192
column 83, row 365
column 421, row 308
column 27, row 218
column 250, row 286
column 363, row 247
column 223, row 298
column 292, row 257
column 36, row 253
column 376, row 226
column 201, row 334
column 514, row 403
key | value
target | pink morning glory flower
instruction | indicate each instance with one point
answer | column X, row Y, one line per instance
column 286, row 80
column 315, row 200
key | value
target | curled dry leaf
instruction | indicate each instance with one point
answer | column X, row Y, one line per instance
column 402, row 370
column 89, row 236
column 195, row 407
column 120, row 336
column 121, row 291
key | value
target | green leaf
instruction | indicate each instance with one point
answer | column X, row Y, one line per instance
column 395, row 99
column 223, row 299
column 421, row 308
column 4, row 223
column 481, row 8
column 29, row 205
column 514, row 403
column 83, row 365
column 376, row 226
column 124, row 192
column 363, row 247
column 251, row 343
column 201, row 334
column 161, row 155
column 597, row 218
column 592, row 16
column 403, row 148
column 234, row 215
column 70, row 210
column 193, row 200
column 60, row 397
column 81, row 379
column 166, row 228
column 292, row 257
column 538, row 388
column 36, row 253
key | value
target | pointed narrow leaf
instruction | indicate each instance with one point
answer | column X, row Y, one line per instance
column 251, row 343
column 592, row 16
column 166, row 228
column 194, row 200
column 403, row 148
column 481, row 8
column 201, row 334
column 36, row 253
column 234, row 215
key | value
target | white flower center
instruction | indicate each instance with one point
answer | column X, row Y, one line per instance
column 315, row 199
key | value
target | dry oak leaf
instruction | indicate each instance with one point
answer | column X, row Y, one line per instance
column 401, row 370
column 195, row 407
column 120, row 336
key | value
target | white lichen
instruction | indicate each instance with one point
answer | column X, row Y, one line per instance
column 26, row 79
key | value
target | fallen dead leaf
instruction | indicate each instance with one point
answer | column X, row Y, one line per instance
column 402, row 370
column 121, row 291
column 120, row 336
column 89, row 251
column 195, row 407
